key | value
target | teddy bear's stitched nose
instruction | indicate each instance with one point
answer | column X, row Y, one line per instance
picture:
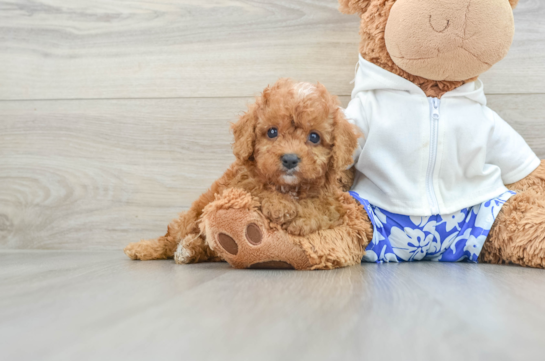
column 290, row 161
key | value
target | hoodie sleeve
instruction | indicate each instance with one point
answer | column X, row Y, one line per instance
column 355, row 114
column 510, row 152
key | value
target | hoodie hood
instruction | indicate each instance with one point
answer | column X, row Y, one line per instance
column 370, row 77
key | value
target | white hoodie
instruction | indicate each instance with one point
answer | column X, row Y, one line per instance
column 426, row 156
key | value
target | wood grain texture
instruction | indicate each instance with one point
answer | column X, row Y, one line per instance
column 523, row 70
column 92, row 174
column 102, row 306
column 108, row 168
column 82, row 49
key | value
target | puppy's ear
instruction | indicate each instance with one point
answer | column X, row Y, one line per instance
column 244, row 129
column 513, row 3
column 345, row 142
column 244, row 133
column 357, row 6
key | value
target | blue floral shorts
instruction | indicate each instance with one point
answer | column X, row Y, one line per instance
column 453, row 237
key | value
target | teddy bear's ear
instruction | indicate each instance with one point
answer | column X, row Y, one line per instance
column 357, row 6
column 244, row 129
column 513, row 3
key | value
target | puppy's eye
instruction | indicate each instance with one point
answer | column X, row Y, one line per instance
column 314, row 138
column 272, row 133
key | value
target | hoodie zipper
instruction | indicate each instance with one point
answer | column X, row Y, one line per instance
column 435, row 116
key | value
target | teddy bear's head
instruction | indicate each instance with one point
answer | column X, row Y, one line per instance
column 437, row 44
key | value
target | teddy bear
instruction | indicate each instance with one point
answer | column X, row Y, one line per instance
column 280, row 204
column 442, row 176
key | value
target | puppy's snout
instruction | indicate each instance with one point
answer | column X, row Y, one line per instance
column 290, row 161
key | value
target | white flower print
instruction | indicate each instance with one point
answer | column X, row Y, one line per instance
column 476, row 208
column 486, row 218
column 438, row 247
column 419, row 238
column 410, row 244
column 380, row 216
column 435, row 245
column 389, row 257
column 488, row 211
column 463, row 237
column 377, row 237
column 475, row 244
column 431, row 227
column 369, row 256
column 419, row 221
column 453, row 220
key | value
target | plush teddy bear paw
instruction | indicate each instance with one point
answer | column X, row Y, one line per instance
column 241, row 237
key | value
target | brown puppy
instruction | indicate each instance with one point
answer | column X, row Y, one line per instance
column 291, row 148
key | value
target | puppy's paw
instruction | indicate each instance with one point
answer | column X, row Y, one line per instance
column 132, row 251
column 182, row 255
column 193, row 249
column 278, row 210
column 301, row 227
column 146, row 250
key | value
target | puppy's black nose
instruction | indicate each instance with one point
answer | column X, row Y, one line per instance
column 290, row 161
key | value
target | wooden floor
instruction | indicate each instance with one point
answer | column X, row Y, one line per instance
column 60, row 305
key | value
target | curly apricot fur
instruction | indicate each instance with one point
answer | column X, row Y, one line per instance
column 310, row 199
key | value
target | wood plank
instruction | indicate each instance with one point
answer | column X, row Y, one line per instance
column 99, row 174
column 170, row 48
column 524, row 66
column 134, row 49
column 116, row 170
column 100, row 305
column 526, row 114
